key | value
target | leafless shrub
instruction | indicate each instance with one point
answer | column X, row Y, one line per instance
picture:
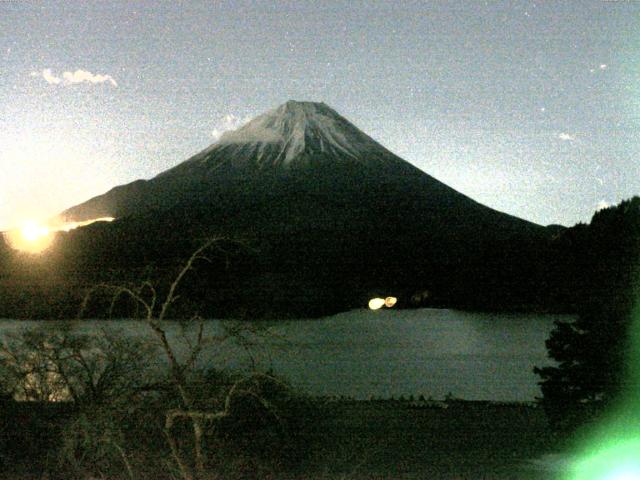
column 187, row 405
column 98, row 374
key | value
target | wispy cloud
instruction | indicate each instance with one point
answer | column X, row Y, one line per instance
column 602, row 204
column 226, row 123
column 70, row 78
column 566, row 137
column 50, row 77
column 80, row 76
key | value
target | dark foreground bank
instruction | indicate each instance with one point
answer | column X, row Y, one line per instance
column 340, row 439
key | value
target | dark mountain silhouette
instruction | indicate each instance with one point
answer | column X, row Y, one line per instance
column 330, row 217
column 304, row 149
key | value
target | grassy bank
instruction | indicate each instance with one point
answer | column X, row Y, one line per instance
column 393, row 440
column 360, row 440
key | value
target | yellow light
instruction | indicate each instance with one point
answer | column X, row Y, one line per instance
column 31, row 237
column 390, row 301
column 68, row 226
column 31, row 231
column 376, row 303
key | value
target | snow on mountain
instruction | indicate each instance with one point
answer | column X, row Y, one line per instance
column 305, row 137
column 299, row 126
column 305, row 131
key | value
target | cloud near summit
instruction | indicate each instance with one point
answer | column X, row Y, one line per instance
column 70, row 78
column 226, row 123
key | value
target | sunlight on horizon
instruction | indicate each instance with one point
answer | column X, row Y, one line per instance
column 30, row 237
column 34, row 237
column 46, row 170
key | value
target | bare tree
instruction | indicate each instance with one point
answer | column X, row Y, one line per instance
column 95, row 373
column 53, row 363
column 156, row 311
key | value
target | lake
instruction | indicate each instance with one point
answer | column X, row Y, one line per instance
column 363, row 353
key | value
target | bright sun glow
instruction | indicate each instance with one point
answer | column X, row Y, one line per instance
column 33, row 237
column 32, row 232
column 38, row 189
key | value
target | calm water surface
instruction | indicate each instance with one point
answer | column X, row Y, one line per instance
column 364, row 354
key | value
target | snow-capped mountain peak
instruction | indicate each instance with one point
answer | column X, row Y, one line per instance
column 301, row 127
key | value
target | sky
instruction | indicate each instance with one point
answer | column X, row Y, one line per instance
column 531, row 108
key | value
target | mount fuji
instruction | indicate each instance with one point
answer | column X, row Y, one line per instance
column 297, row 145
column 332, row 216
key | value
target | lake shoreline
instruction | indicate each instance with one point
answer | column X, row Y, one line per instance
column 382, row 354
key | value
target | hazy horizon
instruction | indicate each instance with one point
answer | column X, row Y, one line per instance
column 530, row 108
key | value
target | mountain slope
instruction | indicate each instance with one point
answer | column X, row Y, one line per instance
column 333, row 216
column 299, row 145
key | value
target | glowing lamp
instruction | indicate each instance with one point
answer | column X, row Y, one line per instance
column 376, row 303
column 390, row 301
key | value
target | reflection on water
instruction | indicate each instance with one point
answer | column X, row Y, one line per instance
column 387, row 353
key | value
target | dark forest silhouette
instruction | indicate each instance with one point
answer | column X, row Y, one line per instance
column 316, row 273
column 592, row 352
